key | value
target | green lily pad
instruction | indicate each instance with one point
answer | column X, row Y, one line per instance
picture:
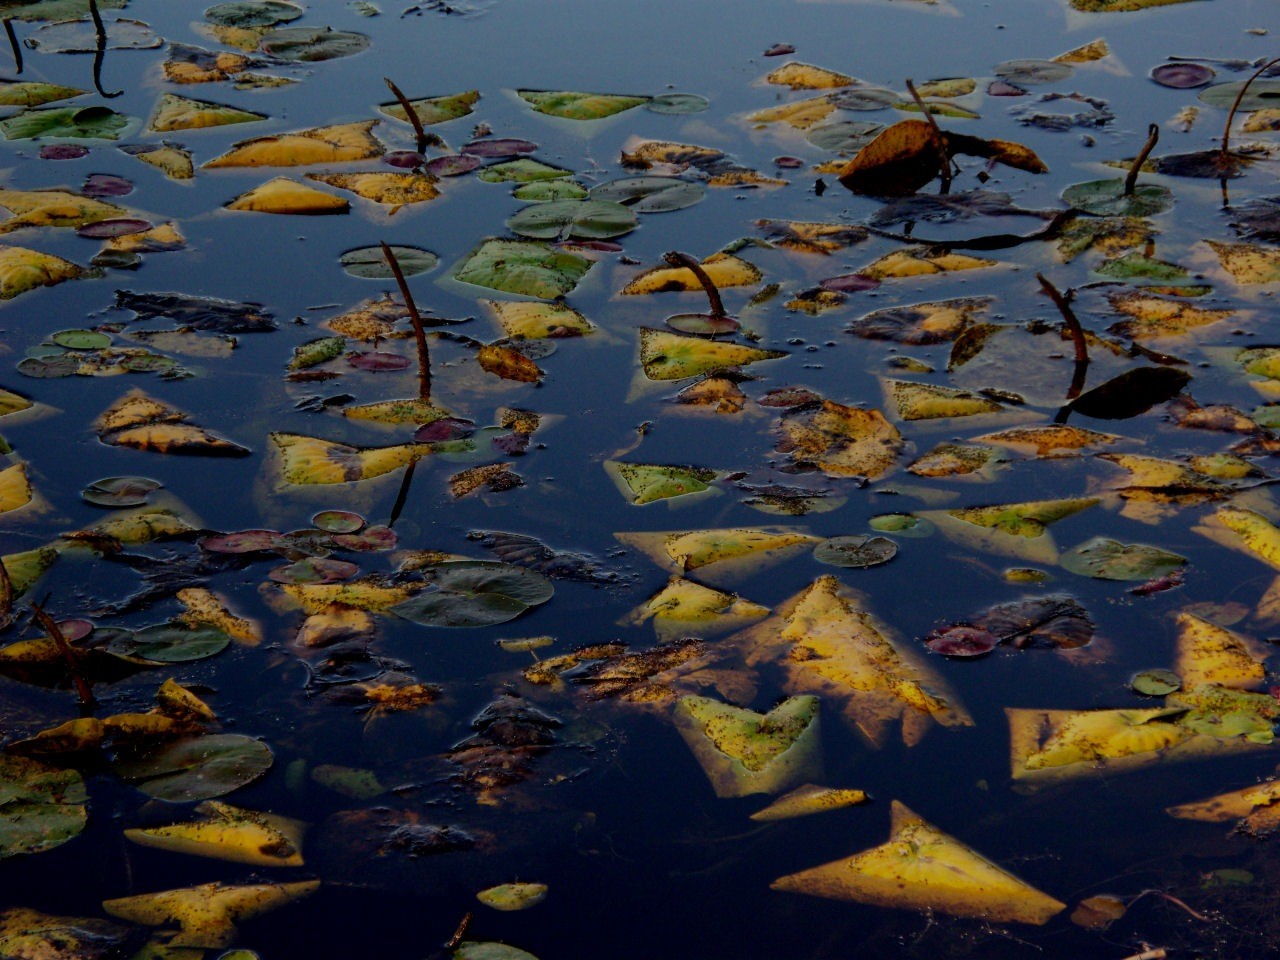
column 1155, row 683
column 27, row 93
column 79, row 123
column 856, row 552
column 489, row 950
column 80, row 36
column 651, row 194
column 1137, row 266
column 1032, row 71
column 584, row 219
column 369, row 263
column 119, row 491
column 571, row 105
column 843, row 136
column 545, row 191
column 524, row 267
column 1106, row 198
column 434, row 109
column 41, row 807
column 312, row 44
column 53, row 9
column 647, row 483
column 318, row 351
column 1261, row 93
column 81, row 339
column 338, row 521
column 677, row 103
column 522, row 170
column 1106, row 559
column 197, row 768
column 903, row 524
column 475, row 593
column 169, row 643
column 252, row 13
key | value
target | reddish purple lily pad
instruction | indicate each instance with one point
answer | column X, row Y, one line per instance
column 371, row 539
column 338, row 521
column 405, row 159
column 63, row 151
column 706, row 324
column 74, row 631
column 512, row 444
column 1182, row 76
column 849, row 283
column 1003, row 88
column 961, row 641
column 106, row 185
column 377, row 361
column 298, row 544
column 453, row 165
column 780, row 50
column 314, row 570
column 499, row 147
column 115, row 227
column 242, row 541
column 446, row 428
column 788, row 163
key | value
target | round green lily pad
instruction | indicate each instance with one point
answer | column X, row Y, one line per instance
column 169, row 643
column 369, row 263
column 475, row 593
column 119, row 491
column 584, row 219
column 338, row 521
column 1106, row 198
column 41, row 807
column 1155, row 683
column 544, row 191
column 858, row 552
column 197, row 768
column 312, row 44
column 252, row 13
column 651, row 194
column 903, row 524
column 1106, row 559
column 678, row 103
column 1261, row 93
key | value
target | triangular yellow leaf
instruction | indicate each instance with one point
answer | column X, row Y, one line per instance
column 230, row 833
column 337, row 144
column 207, row 914
column 310, row 460
column 285, row 195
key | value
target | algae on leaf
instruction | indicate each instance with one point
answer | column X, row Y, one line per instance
column 571, row 105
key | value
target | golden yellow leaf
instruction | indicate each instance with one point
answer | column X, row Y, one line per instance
column 807, row 236
column 393, row 189
column 672, row 356
column 922, row 262
column 725, row 270
column 206, row 67
column 1246, row 262
column 1262, row 121
column 809, row 799
column 719, row 394
column 513, row 896
column 1087, row 53
column 143, row 525
column 805, row 76
column 408, row 410
column 841, row 441
column 928, row 401
column 173, row 160
column 370, row 320
column 1159, row 316
column 1256, row 806
column 953, row 460
column 206, row 915
column 922, row 868
column 645, row 153
column 15, row 488
column 285, row 195
column 1048, row 439
column 336, row 144
column 11, row 402
column 53, row 208
column 336, row 623
column 507, row 363
column 1239, row 528
column 1208, row 653
column 947, row 89
column 22, row 270
column 310, row 460
column 802, row 114
column 138, row 421
column 683, row 608
column 366, row 595
column 181, row 704
column 158, row 239
column 495, row 477
column 740, row 548
column 173, row 112
column 203, row 606
column 224, row 832
column 532, row 320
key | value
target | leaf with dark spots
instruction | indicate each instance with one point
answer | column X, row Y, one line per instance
column 608, row 671
column 1132, row 393
column 533, row 553
column 1054, row 621
column 199, row 313
column 961, row 640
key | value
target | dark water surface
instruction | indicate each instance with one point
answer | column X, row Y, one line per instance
column 615, row 815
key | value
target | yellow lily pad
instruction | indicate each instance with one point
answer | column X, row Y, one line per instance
column 1256, row 807
column 743, row 752
column 647, row 483
column 805, row 76
column 827, row 644
column 53, row 208
column 801, row 114
column 1049, row 439
column 176, row 701
column 138, row 421
column 285, row 195
column 393, row 189
column 15, row 488
column 207, row 915
column 22, row 269
column 310, row 460
column 224, row 832
column 368, row 595
column 432, row 110
column 929, row 401
column 922, row 868
column 809, row 799
column 173, row 160
column 513, row 896
column 173, row 112
column 922, row 262
column 408, row 410
column 336, row 144
column 673, row 356
column 1153, row 317
column 1244, row 529
column 740, row 548
column 203, row 606
column 529, row 320
column 1246, row 262
column 1086, row 53
column 841, row 441
column 1210, row 654
column 725, row 270
column 684, row 608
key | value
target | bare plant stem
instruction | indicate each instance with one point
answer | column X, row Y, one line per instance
column 6, row 596
column 419, row 333
column 1171, row 899
column 1231, row 114
column 83, row 692
column 939, row 140
column 14, row 45
column 1131, row 179
column 100, row 30
column 459, row 933
column 1063, row 303
column 411, row 113
column 678, row 259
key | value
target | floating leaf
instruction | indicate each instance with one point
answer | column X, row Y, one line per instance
column 119, row 491
column 920, row 262
column 335, row 144
column 224, row 832
column 671, row 356
column 928, row 401
column 1256, row 807
column 312, row 44
column 922, row 868
column 809, row 799
column 743, row 752
column 1210, row 654
column 138, row 421
column 692, row 550
column 475, row 593
column 921, row 323
column 523, row 267
column 857, row 552
column 523, row 170
column 1246, row 262
column 172, row 159
column 584, row 219
column 646, row 483
column 1106, row 198
column 840, row 441
column 22, row 270
column 287, row 196
column 1263, row 92
column 197, row 768
column 1246, row 528
column 1155, row 683
column 393, row 189
column 169, row 643
column 435, row 109
column 206, row 915
column 513, row 896
column 724, row 270
column 371, row 264
column 41, row 807
column 683, row 607
column 173, row 112
column 81, row 123
column 677, row 103
column 1106, row 559
column 526, row 320
column 578, row 106
column 1132, row 393
column 310, row 460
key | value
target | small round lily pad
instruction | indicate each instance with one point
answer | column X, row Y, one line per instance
column 677, row 103
column 856, row 552
column 903, row 524
column 475, row 593
column 312, row 44
column 81, row 339
column 1155, row 683
column 1182, row 76
column 369, row 263
column 169, row 643
column 338, row 521
column 198, row 768
column 119, row 491
column 1106, row 559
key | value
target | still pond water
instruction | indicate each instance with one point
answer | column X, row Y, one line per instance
column 432, row 762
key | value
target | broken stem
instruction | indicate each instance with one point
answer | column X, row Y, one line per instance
column 678, row 259
column 14, row 45
column 1063, row 303
column 402, row 495
column 411, row 113
column 1231, row 114
column 459, row 933
column 1172, row 899
column 1131, row 179
column 419, row 333
column 939, row 140
column 1152, row 953
column 83, row 692
column 100, row 31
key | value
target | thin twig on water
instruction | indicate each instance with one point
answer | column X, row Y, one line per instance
column 939, row 139
column 678, row 259
column 1131, row 179
column 411, row 113
column 83, row 692
column 419, row 333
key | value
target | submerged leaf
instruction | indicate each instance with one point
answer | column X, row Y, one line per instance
column 41, row 807
column 475, row 593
